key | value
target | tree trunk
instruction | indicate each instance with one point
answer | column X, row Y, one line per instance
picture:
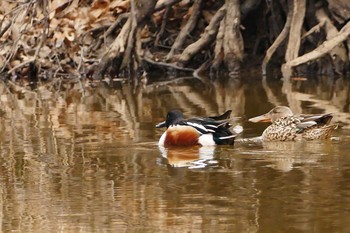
column 233, row 41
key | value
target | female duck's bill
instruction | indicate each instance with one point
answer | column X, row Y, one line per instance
column 289, row 127
column 205, row 131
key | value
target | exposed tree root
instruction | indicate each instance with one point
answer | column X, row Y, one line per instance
column 294, row 26
column 117, row 49
column 162, row 27
column 295, row 29
column 281, row 37
column 126, row 60
column 233, row 41
column 218, row 50
column 320, row 51
column 165, row 3
column 348, row 45
column 316, row 28
column 123, row 47
column 338, row 53
column 111, row 29
column 167, row 65
column 191, row 23
column 122, row 38
column 206, row 38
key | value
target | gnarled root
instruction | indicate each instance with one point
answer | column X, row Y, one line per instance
column 320, row 51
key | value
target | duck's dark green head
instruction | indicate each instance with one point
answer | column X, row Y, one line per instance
column 173, row 117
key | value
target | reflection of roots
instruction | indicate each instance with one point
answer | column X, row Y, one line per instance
column 295, row 99
column 327, row 106
column 211, row 99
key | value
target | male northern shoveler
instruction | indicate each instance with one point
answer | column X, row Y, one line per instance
column 289, row 127
column 205, row 131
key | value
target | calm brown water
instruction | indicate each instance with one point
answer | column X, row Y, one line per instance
column 76, row 158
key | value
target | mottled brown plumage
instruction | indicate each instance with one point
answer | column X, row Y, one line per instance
column 289, row 127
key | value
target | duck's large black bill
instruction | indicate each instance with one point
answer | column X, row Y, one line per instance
column 161, row 125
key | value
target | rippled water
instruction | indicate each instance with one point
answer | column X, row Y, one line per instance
column 76, row 157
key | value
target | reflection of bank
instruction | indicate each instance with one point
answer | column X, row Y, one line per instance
column 191, row 157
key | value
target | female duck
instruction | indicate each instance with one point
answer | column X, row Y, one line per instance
column 289, row 127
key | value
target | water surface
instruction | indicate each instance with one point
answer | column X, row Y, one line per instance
column 77, row 157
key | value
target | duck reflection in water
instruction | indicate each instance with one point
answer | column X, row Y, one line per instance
column 191, row 157
column 291, row 155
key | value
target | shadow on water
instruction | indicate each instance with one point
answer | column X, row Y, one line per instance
column 81, row 157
